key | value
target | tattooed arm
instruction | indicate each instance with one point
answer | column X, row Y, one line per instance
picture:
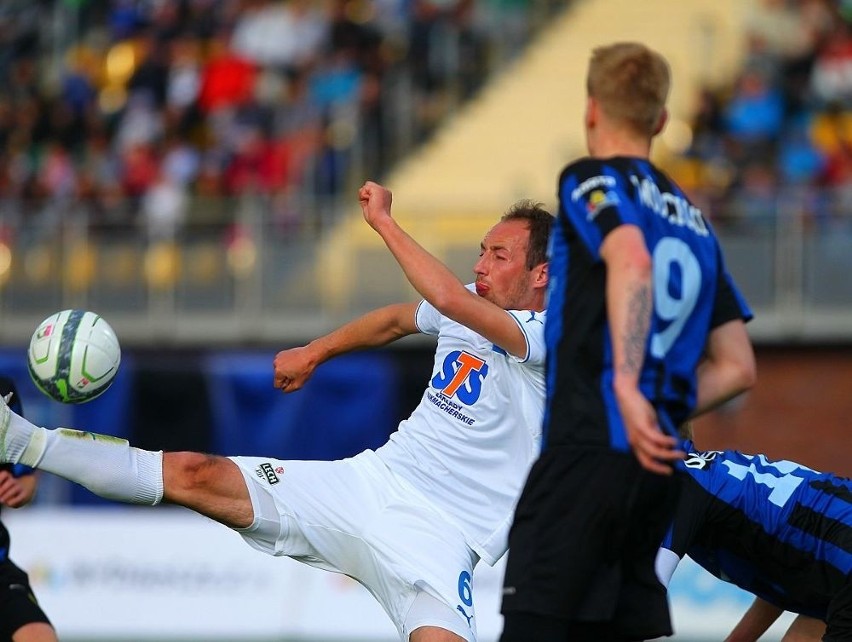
column 629, row 298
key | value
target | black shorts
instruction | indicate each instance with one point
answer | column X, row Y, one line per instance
column 839, row 616
column 584, row 541
column 18, row 605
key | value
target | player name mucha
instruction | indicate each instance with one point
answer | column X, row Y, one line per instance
column 450, row 407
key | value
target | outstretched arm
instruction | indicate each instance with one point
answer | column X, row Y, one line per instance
column 728, row 368
column 754, row 622
column 434, row 280
column 805, row 629
column 295, row 366
column 629, row 300
column 761, row 615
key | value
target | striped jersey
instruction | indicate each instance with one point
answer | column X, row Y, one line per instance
column 693, row 293
column 774, row 528
column 470, row 442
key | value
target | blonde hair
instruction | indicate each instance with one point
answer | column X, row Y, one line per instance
column 631, row 83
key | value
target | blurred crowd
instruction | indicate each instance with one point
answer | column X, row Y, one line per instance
column 151, row 112
column 778, row 137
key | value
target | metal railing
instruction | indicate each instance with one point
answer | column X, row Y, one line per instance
column 255, row 279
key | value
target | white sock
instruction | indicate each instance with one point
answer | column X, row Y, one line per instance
column 20, row 442
column 107, row 466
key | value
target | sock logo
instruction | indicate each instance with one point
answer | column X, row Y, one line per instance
column 84, row 434
column 265, row 471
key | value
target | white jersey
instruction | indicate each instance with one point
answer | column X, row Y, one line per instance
column 469, row 444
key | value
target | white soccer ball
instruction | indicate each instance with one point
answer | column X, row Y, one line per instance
column 73, row 356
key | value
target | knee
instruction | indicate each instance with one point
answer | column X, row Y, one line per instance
column 190, row 471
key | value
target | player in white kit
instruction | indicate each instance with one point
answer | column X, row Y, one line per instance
column 410, row 520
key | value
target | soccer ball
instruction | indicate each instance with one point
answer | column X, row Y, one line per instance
column 73, row 356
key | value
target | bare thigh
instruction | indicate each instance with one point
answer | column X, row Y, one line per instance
column 35, row 632
column 433, row 634
column 208, row 484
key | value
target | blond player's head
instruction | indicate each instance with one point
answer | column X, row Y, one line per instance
column 629, row 84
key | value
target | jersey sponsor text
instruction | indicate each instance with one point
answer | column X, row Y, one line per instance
column 591, row 183
column 451, row 408
column 676, row 209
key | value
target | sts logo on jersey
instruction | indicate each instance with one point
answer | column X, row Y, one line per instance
column 461, row 375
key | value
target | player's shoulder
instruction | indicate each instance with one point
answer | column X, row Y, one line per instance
column 594, row 178
column 586, row 168
column 529, row 318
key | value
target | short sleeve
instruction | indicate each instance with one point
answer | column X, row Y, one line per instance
column 531, row 324
column 595, row 198
column 427, row 318
column 729, row 303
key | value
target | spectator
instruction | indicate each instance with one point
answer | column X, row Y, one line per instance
column 203, row 79
column 184, row 81
column 227, row 79
column 831, row 80
column 151, row 75
column 800, row 162
column 754, row 201
column 258, row 164
column 754, row 115
column 285, row 35
column 164, row 208
column 139, row 170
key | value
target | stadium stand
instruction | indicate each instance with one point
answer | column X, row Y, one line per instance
column 168, row 157
column 512, row 140
column 145, row 147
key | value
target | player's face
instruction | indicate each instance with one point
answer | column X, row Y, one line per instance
column 502, row 276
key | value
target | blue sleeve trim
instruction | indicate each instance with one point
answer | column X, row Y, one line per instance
column 19, row 470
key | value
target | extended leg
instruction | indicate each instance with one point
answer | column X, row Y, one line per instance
column 112, row 468
column 208, row 484
column 433, row 634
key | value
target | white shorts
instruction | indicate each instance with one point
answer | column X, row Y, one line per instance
column 354, row 516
